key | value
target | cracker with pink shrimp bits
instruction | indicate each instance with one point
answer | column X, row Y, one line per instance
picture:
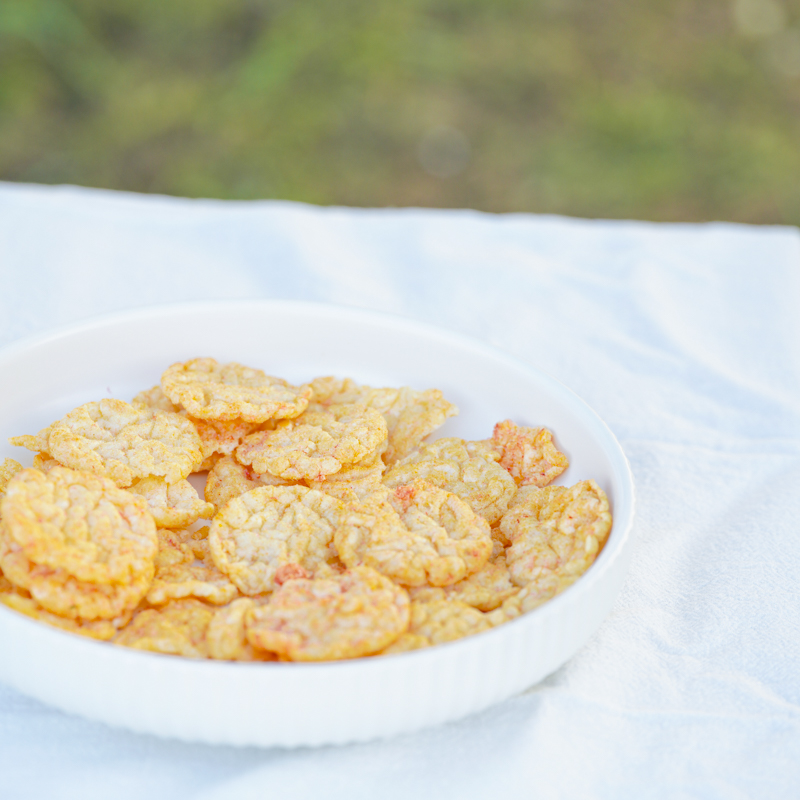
column 260, row 534
column 556, row 531
column 81, row 546
column 353, row 614
column 421, row 534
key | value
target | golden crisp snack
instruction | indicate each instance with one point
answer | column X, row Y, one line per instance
column 100, row 629
column 354, row 614
column 60, row 593
column 486, row 589
column 467, row 469
column 44, row 463
column 179, row 628
column 436, row 622
column 422, row 535
column 220, row 437
column 203, row 581
column 80, row 523
column 38, row 443
column 155, row 398
column 228, row 479
column 116, row 440
column 360, row 482
column 212, row 391
column 8, row 469
column 257, row 533
column 226, row 636
column 181, row 547
column 410, row 415
column 316, row 444
column 528, row 454
column 174, row 505
column 557, row 531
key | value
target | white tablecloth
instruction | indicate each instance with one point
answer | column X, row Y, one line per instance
column 684, row 338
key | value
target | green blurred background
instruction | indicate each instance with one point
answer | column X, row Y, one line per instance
column 649, row 109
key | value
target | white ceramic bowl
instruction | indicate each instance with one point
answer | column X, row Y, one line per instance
column 306, row 704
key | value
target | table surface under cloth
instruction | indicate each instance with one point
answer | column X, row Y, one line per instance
column 684, row 338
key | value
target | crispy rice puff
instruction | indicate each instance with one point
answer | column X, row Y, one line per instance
column 228, row 479
column 19, row 601
column 467, row 469
column 358, row 483
column 172, row 506
column 354, row 614
column 37, row 443
column 316, row 444
column 155, row 398
column 410, row 415
column 436, row 622
column 555, row 531
column 528, row 454
column 8, row 469
column 122, row 442
column 485, row 590
column 226, row 636
column 422, row 535
column 80, row 546
column 257, row 533
column 212, row 391
column 179, row 628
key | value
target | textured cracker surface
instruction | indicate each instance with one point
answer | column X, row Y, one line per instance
column 354, row 614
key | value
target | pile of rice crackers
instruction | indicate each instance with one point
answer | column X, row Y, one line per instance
column 330, row 528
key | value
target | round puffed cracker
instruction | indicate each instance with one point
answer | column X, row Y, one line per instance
column 226, row 636
column 257, row 533
column 436, row 622
column 80, row 523
column 423, row 534
column 228, row 479
column 557, row 531
column 179, row 628
column 60, row 593
column 175, row 505
column 102, row 630
column 316, row 444
column 467, row 469
column 155, row 398
column 116, row 440
column 360, row 482
column 212, row 391
column 486, row 589
column 203, row 581
column 38, row 443
column 347, row 616
column 410, row 414
column 528, row 454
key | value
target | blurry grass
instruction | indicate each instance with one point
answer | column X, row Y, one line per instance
column 651, row 109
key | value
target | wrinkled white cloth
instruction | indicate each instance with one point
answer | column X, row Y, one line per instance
column 684, row 338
